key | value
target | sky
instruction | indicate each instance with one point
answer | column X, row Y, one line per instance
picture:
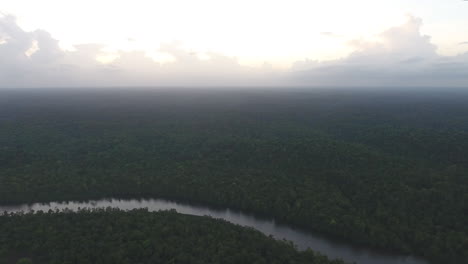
column 234, row 43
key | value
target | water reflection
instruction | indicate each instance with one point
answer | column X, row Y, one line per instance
column 301, row 239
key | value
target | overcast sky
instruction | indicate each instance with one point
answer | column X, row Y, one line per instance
column 234, row 43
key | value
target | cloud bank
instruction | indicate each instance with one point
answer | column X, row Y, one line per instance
column 401, row 57
column 34, row 59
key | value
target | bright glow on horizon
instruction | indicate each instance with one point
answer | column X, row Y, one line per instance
column 278, row 32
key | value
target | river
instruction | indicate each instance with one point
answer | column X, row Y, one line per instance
column 302, row 239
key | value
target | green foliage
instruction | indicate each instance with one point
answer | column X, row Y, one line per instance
column 386, row 170
column 138, row 236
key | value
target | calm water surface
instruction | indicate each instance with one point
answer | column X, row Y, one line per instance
column 300, row 238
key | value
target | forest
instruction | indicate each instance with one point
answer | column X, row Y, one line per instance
column 378, row 168
column 116, row 237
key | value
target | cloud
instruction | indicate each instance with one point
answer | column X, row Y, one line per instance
column 401, row 57
column 463, row 43
column 35, row 59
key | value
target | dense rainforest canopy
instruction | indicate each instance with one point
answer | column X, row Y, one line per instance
column 386, row 169
column 117, row 237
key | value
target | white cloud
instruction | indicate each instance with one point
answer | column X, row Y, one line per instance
column 399, row 56
column 35, row 59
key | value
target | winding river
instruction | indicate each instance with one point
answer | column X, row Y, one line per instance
column 300, row 238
